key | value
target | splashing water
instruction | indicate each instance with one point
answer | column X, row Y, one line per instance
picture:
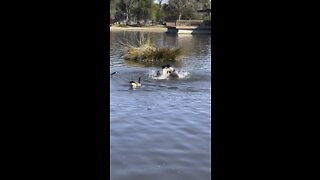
column 152, row 74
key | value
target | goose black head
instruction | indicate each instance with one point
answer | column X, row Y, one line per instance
column 158, row 73
column 139, row 80
column 168, row 66
column 163, row 67
column 116, row 72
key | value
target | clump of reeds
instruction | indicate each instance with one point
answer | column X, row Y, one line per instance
column 144, row 51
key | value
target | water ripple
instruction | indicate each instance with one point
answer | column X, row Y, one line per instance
column 163, row 129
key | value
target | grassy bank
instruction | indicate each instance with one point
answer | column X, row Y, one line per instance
column 146, row 29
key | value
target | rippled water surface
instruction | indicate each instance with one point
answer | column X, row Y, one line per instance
column 162, row 130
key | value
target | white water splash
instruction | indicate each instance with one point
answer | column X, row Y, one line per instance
column 152, row 74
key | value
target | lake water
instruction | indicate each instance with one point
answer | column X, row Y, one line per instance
column 162, row 130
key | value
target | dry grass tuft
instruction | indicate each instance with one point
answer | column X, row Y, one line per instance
column 144, row 51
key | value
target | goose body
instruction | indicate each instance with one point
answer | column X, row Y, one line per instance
column 135, row 84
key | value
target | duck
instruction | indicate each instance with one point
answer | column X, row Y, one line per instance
column 135, row 84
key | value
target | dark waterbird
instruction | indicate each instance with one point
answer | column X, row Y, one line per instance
column 135, row 84
column 116, row 72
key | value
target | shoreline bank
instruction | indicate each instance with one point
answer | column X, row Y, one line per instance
column 151, row 29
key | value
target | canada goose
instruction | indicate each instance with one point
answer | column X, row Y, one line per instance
column 165, row 70
column 171, row 68
column 135, row 84
column 173, row 74
column 171, row 71
column 116, row 72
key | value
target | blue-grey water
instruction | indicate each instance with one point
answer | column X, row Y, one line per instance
column 162, row 130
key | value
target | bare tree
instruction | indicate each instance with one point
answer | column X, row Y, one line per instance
column 129, row 6
column 179, row 5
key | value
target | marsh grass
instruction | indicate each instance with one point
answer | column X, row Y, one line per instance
column 145, row 52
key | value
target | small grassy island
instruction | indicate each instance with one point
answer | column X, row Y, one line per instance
column 146, row 52
column 150, row 53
